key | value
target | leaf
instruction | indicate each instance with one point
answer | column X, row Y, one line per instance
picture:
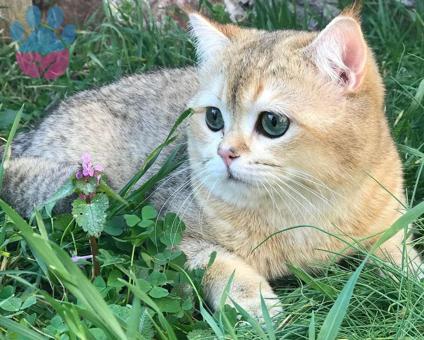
column 145, row 326
column 148, row 213
column 200, row 334
column 115, row 226
column 29, row 301
column 158, row 292
column 132, row 220
column 134, row 319
column 157, row 278
column 144, row 285
column 33, row 17
column 87, row 187
column 148, row 301
column 91, row 216
column 6, row 292
column 12, row 304
column 55, row 17
column 98, row 334
column 146, row 223
column 64, row 191
column 173, row 232
column 187, row 305
column 169, row 305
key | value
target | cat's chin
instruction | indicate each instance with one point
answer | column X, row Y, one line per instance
column 236, row 191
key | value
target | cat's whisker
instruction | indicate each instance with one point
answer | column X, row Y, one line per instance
column 195, row 186
column 177, row 191
column 206, row 201
column 278, row 208
column 308, row 177
column 287, row 193
column 313, row 192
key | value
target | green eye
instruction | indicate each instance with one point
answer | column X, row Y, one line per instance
column 272, row 125
column 214, row 119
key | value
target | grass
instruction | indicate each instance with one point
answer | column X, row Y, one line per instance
column 142, row 290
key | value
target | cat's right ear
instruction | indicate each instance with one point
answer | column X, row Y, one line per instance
column 340, row 51
column 210, row 37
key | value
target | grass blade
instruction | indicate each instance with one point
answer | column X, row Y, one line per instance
column 13, row 326
column 308, row 279
column 268, row 321
column 335, row 316
column 7, row 148
column 155, row 154
column 251, row 320
column 211, row 322
column 311, row 330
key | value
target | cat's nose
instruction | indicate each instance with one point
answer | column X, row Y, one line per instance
column 228, row 154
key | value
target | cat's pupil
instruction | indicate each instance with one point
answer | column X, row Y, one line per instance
column 274, row 121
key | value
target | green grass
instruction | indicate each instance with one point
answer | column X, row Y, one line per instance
column 143, row 290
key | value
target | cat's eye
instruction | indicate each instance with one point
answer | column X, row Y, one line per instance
column 272, row 125
column 214, row 119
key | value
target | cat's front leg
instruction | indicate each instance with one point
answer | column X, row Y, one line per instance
column 408, row 259
column 248, row 284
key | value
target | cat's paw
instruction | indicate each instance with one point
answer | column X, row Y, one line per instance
column 253, row 304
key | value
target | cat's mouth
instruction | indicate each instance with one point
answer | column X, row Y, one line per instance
column 234, row 178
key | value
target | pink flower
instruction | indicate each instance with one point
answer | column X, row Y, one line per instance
column 87, row 168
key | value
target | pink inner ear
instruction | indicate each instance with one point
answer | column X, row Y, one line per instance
column 354, row 53
column 342, row 53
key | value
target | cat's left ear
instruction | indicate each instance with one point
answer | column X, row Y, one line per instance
column 210, row 37
column 340, row 52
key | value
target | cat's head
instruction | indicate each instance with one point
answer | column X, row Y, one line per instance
column 284, row 111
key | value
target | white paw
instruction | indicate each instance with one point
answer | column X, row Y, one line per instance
column 253, row 305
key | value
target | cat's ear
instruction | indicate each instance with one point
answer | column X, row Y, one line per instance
column 210, row 37
column 340, row 52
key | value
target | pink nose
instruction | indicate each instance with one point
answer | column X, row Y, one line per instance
column 227, row 155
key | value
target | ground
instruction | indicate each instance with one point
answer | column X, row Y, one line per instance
column 141, row 289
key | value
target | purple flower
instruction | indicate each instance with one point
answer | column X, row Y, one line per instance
column 76, row 259
column 87, row 168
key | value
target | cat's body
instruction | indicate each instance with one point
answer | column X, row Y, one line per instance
column 333, row 164
column 114, row 123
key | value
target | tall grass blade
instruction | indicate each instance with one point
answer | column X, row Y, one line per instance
column 24, row 332
column 7, row 148
column 268, row 321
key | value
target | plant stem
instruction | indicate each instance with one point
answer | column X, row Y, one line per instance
column 94, row 252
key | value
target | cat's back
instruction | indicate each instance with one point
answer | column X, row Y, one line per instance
column 119, row 124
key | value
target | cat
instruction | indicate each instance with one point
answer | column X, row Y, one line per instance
column 288, row 129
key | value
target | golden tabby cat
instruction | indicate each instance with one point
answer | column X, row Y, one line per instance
column 288, row 130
